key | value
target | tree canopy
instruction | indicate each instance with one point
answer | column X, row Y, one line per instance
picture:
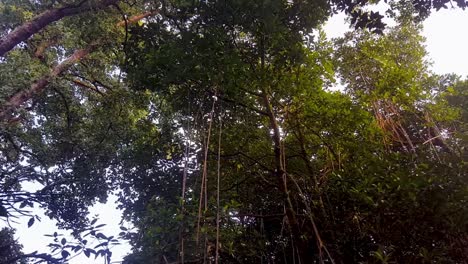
column 216, row 125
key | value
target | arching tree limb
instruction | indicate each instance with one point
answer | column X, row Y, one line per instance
column 38, row 86
column 42, row 20
column 19, row 98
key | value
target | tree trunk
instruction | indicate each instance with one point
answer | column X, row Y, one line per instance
column 302, row 244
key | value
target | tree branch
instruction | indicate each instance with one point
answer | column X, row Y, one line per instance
column 42, row 20
column 38, row 86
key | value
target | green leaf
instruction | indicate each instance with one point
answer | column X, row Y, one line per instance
column 3, row 211
column 31, row 221
column 99, row 226
column 65, row 254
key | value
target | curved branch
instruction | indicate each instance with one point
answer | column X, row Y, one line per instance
column 38, row 86
column 42, row 20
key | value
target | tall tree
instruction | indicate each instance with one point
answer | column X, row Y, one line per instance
column 306, row 175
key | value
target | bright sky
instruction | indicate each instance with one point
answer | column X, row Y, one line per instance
column 446, row 41
column 447, row 46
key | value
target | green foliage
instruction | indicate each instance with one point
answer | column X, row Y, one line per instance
column 10, row 249
column 373, row 174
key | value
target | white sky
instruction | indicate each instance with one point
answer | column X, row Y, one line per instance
column 447, row 46
column 446, row 42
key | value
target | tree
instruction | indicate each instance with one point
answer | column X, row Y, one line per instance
column 9, row 247
column 389, row 76
column 304, row 174
column 298, row 154
column 42, row 20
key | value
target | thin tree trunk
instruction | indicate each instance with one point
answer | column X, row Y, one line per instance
column 280, row 171
column 217, row 190
column 282, row 180
column 203, row 187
